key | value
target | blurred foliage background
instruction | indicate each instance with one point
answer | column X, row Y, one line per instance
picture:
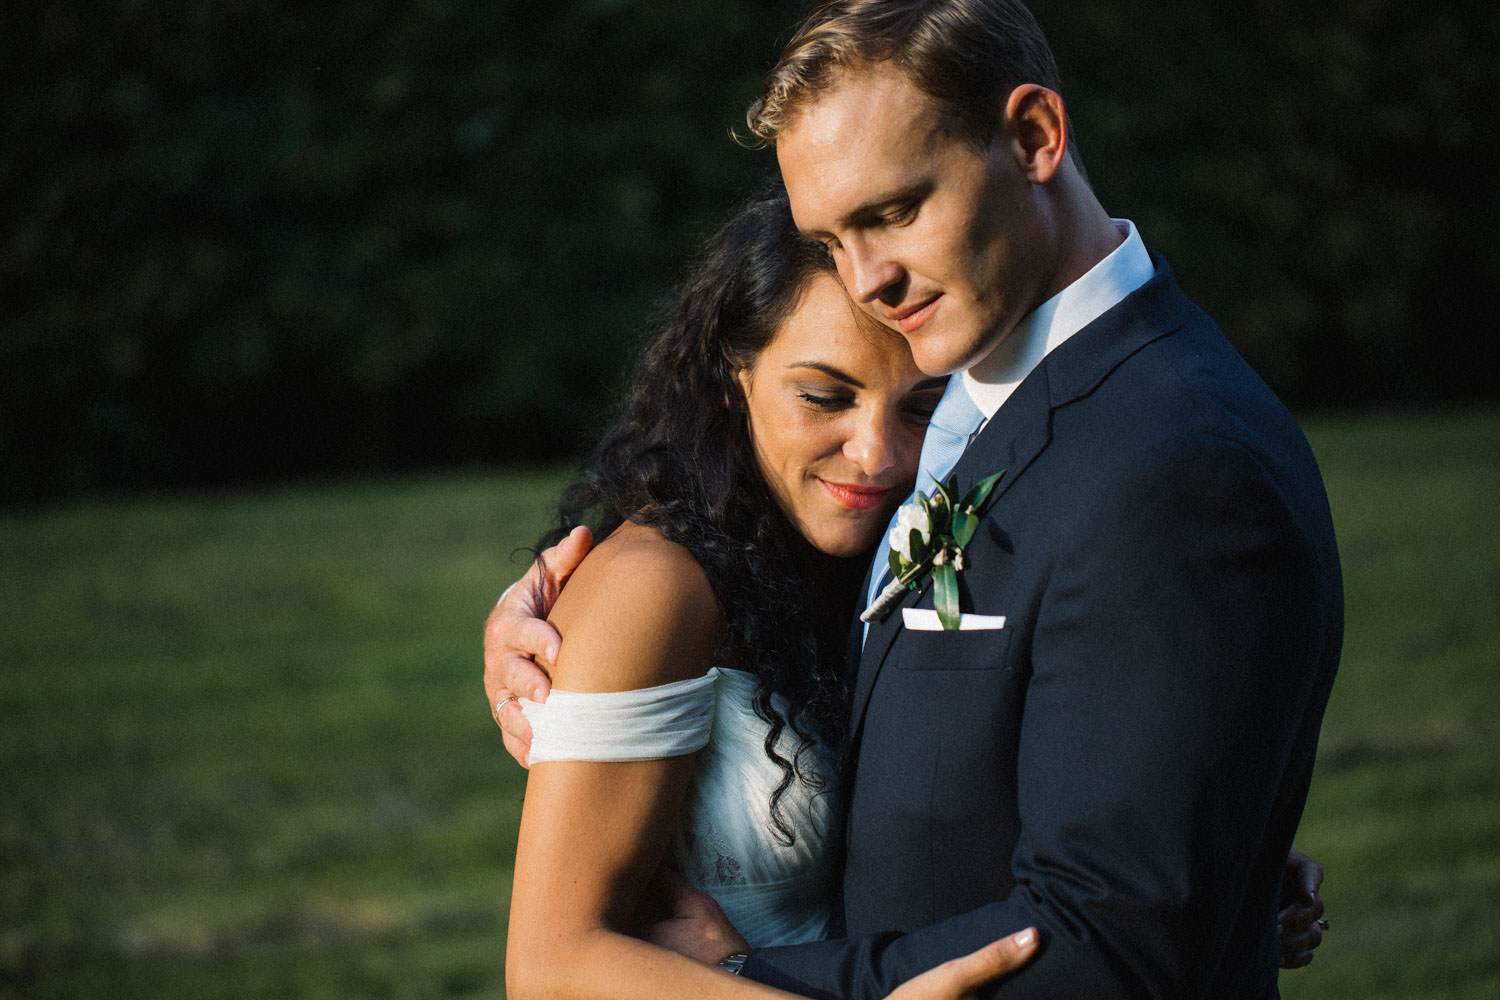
column 252, row 239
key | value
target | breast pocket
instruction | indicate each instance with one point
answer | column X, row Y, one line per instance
column 927, row 620
column 966, row 649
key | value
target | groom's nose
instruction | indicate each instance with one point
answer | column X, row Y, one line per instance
column 872, row 276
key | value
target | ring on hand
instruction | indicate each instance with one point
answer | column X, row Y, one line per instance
column 505, row 701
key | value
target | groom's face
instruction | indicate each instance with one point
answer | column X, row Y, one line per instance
column 933, row 237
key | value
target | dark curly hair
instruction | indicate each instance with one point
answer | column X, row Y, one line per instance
column 678, row 457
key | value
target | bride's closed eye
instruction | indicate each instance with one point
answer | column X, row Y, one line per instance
column 921, row 408
column 919, row 414
column 824, row 402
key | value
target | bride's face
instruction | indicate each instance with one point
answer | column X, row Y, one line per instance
column 837, row 410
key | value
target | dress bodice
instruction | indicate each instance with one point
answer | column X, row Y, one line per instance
column 726, row 842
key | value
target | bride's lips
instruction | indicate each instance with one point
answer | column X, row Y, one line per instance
column 912, row 317
column 857, row 497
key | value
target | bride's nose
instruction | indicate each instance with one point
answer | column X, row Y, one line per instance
column 871, row 444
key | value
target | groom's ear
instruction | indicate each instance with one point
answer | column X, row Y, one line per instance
column 1035, row 126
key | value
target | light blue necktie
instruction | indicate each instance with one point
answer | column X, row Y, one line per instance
column 954, row 423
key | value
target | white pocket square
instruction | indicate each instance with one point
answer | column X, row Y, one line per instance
column 926, row 620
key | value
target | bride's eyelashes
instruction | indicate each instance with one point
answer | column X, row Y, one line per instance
column 921, row 408
column 918, row 411
column 921, row 414
column 822, row 402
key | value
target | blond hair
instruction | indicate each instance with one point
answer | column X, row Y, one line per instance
column 965, row 54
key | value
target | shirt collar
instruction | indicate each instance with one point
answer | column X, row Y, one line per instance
column 991, row 380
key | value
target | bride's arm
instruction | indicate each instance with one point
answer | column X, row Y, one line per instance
column 637, row 613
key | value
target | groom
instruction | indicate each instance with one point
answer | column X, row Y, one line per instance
column 1116, row 745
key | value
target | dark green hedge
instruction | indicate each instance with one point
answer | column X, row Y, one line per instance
column 245, row 239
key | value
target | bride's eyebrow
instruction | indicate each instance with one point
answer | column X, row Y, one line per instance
column 828, row 370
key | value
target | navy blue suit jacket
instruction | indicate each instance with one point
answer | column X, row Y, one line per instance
column 1124, row 763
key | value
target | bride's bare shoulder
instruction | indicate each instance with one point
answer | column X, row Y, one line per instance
column 638, row 611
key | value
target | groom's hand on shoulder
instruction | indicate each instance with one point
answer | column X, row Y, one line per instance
column 516, row 636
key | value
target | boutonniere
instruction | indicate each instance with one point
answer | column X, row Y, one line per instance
column 929, row 536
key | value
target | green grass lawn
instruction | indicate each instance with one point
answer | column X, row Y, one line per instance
column 245, row 752
column 1405, row 805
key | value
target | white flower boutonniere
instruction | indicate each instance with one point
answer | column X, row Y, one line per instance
column 929, row 535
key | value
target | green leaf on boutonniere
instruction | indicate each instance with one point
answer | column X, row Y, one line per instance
column 945, row 595
column 980, row 492
column 929, row 536
column 964, row 526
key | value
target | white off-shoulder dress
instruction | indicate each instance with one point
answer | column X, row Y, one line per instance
column 726, row 843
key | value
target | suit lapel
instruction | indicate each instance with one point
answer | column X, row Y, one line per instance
column 1011, row 440
column 1022, row 428
column 876, row 647
column 1013, row 437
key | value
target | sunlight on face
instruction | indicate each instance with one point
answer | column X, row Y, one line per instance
column 837, row 410
column 932, row 237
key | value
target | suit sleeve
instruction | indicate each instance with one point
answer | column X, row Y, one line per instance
column 1173, row 664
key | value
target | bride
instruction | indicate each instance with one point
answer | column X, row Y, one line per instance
column 768, row 436
column 698, row 709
